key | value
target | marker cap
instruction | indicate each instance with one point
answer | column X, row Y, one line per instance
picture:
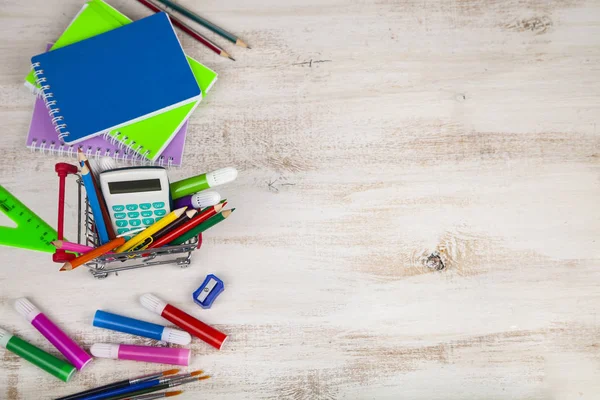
column 221, row 176
column 176, row 336
column 26, row 309
column 152, row 303
column 5, row 336
column 105, row 350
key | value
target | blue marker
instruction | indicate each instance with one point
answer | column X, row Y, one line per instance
column 106, row 320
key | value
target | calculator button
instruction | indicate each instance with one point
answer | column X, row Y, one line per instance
column 133, row 214
column 135, row 222
column 121, row 223
column 120, row 215
column 148, row 221
column 118, row 208
column 160, row 213
column 158, row 204
column 146, row 213
column 145, row 206
column 122, row 230
column 131, row 207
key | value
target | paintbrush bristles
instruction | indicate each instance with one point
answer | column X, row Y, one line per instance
column 171, row 372
column 175, row 393
column 196, row 373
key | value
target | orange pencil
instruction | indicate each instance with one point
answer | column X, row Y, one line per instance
column 90, row 255
column 192, row 223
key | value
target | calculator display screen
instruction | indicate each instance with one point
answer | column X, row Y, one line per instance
column 145, row 185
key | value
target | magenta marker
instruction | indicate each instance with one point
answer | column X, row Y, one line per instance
column 158, row 355
column 67, row 346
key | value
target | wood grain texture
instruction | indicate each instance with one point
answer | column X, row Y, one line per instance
column 369, row 135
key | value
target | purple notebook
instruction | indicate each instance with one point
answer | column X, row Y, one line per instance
column 43, row 138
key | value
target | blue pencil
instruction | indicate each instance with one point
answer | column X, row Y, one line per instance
column 94, row 204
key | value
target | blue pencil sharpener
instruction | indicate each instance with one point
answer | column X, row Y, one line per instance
column 208, row 291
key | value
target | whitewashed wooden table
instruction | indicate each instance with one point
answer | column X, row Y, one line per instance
column 369, row 135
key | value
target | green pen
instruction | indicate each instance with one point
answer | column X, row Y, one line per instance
column 38, row 357
column 201, row 182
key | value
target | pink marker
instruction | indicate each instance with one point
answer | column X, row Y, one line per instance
column 63, row 343
column 158, row 355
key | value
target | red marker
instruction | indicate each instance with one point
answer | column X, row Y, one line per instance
column 183, row 320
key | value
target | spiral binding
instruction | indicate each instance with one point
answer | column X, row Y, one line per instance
column 57, row 120
column 120, row 155
column 124, row 142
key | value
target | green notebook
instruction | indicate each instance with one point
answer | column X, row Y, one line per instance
column 150, row 136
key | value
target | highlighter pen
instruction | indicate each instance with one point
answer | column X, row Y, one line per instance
column 183, row 320
column 200, row 182
column 38, row 357
column 198, row 200
column 63, row 343
column 106, row 320
column 159, row 355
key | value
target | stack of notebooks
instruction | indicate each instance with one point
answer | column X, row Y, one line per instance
column 115, row 88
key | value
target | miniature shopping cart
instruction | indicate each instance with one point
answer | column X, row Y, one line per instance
column 110, row 263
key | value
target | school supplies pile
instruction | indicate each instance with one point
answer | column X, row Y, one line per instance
column 133, row 215
column 115, row 87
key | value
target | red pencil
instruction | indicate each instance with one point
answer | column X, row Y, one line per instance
column 192, row 223
column 189, row 30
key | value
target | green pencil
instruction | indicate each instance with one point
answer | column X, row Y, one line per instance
column 205, row 23
column 202, row 227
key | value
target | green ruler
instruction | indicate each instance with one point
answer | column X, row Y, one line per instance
column 31, row 233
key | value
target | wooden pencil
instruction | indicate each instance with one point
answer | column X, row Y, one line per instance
column 105, row 215
column 90, row 255
column 205, row 23
column 189, row 30
column 202, row 227
column 192, row 223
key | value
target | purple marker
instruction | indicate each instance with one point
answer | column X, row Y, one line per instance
column 198, row 200
column 67, row 346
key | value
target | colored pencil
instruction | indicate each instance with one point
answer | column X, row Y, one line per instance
column 118, row 385
column 188, row 215
column 205, row 23
column 151, row 230
column 105, row 215
column 153, row 396
column 189, row 30
column 90, row 255
column 191, row 224
column 172, row 383
column 202, row 227
column 94, row 201
column 73, row 247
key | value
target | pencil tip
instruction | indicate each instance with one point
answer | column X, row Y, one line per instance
column 248, row 47
column 65, row 267
column 231, row 58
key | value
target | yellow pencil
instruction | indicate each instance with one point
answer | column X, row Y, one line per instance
column 151, row 230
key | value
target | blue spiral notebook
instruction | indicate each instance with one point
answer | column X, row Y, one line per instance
column 134, row 72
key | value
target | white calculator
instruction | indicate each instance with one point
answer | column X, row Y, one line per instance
column 136, row 197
